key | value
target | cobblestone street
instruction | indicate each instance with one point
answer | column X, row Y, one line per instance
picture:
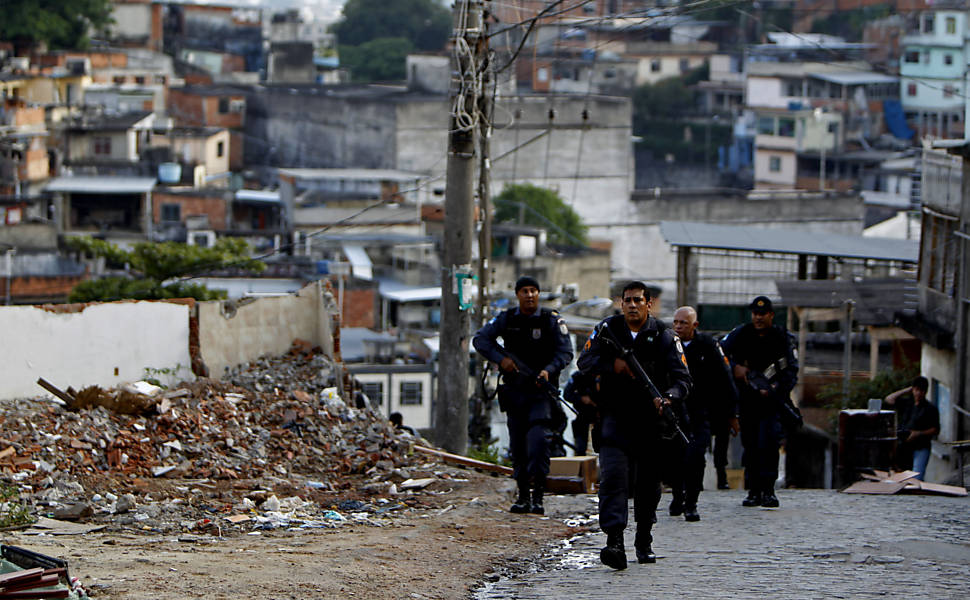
column 818, row 544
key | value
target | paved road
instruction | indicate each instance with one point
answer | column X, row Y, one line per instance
column 818, row 544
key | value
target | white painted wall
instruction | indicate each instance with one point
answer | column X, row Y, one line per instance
column 765, row 91
column 103, row 344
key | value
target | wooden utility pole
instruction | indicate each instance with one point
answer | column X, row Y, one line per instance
column 470, row 51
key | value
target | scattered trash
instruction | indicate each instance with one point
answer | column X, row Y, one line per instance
column 883, row 482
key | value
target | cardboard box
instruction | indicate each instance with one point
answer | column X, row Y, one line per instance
column 572, row 475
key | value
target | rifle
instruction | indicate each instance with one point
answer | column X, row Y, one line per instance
column 788, row 413
column 669, row 427
column 551, row 391
column 548, row 389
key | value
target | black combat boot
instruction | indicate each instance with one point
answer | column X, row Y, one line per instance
column 769, row 499
column 677, row 505
column 614, row 555
column 523, row 504
column 643, row 545
column 753, row 499
column 690, row 512
column 536, row 507
column 722, row 482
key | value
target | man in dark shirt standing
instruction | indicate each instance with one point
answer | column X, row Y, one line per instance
column 918, row 425
column 713, row 397
column 630, row 418
column 765, row 367
column 539, row 341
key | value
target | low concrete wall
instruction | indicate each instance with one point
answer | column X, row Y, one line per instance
column 94, row 344
column 232, row 332
column 111, row 343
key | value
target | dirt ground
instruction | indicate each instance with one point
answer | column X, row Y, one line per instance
column 456, row 539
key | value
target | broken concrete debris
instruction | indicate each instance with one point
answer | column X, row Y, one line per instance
column 272, row 445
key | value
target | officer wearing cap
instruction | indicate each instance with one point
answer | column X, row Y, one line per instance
column 535, row 340
column 765, row 367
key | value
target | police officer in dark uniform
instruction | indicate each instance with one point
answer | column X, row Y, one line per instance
column 537, row 338
column 712, row 396
column 580, row 392
column 630, row 418
column 765, row 367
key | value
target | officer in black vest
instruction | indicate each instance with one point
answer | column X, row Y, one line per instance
column 713, row 397
column 630, row 418
column 538, row 340
column 765, row 366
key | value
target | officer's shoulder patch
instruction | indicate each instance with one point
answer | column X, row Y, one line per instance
column 563, row 329
column 680, row 347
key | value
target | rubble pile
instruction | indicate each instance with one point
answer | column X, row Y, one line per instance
column 275, row 424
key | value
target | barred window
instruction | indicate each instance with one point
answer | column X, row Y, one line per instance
column 411, row 393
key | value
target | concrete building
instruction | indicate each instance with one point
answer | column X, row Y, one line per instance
column 932, row 72
column 941, row 319
column 212, row 106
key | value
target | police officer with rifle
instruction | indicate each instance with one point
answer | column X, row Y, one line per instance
column 535, row 350
column 765, row 366
column 633, row 353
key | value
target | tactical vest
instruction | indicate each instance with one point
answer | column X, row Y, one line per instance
column 531, row 339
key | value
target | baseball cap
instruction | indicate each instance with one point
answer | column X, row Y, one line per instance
column 761, row 304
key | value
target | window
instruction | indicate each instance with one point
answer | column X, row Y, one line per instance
column 948, row 91
column 411, row 393
column 948, row 59
column 833, row 128
column 928, row 23
column 102, row 145
column 223, row 105
column 237, row 106
column 684, row 65
column 140, row 79
column 938, row 263
column 911, row 89
column 786, row 127
column 374, row 390
column 655, row 65
column 220, row 149
column 171, row 213
column 951, row 25
column 774, row 164
column 911, row 56
column 793, row 88
column 766, row 125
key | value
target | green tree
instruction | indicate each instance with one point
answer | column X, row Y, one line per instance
column 383, row 59
column 154, row 263
column 540, row 207
column 56, row 23
column 425, row 23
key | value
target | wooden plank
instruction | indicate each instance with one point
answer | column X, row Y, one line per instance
column 8, row 451
column 50, row 387
column 904, row 475
column 874, row 487
column 40, row 594
column 464, row 460
column 40, row 582
column 18, row 576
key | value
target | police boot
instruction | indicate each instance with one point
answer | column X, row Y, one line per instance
column 523, row 504
column 643, row 545
column 753, row 499
column 769, row 499
column 677, row 505
column 722, row 482
column 614, row 555
column 536, row 507
column 690, row 513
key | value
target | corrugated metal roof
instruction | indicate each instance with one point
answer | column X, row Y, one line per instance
column 258, row 196
column 786, row 241
column 353, row 174
column 876, row 300
column 82, row 184
column 855, row 77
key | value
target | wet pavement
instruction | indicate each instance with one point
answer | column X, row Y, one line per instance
column 818, row 544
